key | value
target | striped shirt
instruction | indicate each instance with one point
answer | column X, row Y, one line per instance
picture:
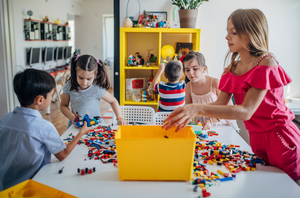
column 172, row 95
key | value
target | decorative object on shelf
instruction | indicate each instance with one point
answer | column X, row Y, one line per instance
column 167, row 52
column 46, row 19
column 29, row 13
column 153, row 59
column 67, row 23
column 131, row 61
column 148, row 58
column 160, row 16
column 139, row 59
column 182, row 49
column 133, row 84
column 128, row 22
column 56, row 21
column 188, row 12
column 150, row 92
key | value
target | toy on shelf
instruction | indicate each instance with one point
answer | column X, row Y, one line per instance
column 167, row 52
column 139, row 59
column 67, row 23
column 148, row 59
column 29, row 13
column 46, row 19
column 56, row 21
column 153, row 60
column 131, row 61
column 150, row 92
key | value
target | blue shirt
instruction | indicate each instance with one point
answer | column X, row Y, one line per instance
column 26, row 144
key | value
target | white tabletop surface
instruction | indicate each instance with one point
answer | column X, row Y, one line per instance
column 294, row 105
column 266, row 181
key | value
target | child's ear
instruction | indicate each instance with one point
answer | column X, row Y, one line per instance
column 39, row 99
column 205, row 69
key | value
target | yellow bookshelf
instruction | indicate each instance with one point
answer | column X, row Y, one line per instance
column 141, row 40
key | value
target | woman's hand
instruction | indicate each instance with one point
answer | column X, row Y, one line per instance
column 181, row 116
column 207, row 125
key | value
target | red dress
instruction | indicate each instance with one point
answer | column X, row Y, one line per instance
column 273, row 135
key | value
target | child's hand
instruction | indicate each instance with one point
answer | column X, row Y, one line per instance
column 206, row 125
column 74, row 124
column 162, row 66
column 85, row 129
column 122, row 122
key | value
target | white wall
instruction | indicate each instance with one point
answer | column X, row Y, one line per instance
column 54, row 9
column 88, row 26
column 284, row 28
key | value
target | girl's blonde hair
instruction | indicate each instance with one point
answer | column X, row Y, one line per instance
column 253, row 24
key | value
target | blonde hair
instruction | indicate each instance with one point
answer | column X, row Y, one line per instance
column 253, row 24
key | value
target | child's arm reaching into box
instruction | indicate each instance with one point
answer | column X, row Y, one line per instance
column 64, row 153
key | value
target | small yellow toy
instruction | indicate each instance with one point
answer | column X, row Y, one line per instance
column 56, row 21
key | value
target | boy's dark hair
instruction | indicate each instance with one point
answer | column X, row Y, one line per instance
column 194, row 55
column 173, row 71
column 31, row 83
column 88, row 63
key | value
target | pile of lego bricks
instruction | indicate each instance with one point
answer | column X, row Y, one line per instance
column 230, row 156
column 101, row 144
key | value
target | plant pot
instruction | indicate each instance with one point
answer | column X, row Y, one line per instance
column 188, row 18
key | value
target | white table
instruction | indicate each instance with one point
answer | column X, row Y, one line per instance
column 294, row 105
column 266, row 181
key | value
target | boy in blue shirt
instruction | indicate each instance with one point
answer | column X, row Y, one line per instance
column 26, row 139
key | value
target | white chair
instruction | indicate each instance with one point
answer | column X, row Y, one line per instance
column 159, row 117
column 136, row 114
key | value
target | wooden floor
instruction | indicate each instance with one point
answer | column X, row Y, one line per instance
column 61, row 122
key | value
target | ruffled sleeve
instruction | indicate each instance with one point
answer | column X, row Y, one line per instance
column 230, row 83
column 266, row 77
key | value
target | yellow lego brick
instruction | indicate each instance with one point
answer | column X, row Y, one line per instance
column 201, row 185
column 216, row 152
column 247, row 168
column 220, row 171
column 210, row 162
column 253, row 169
column 201, row 172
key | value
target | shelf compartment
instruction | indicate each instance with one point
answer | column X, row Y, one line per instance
column 143, row 67
column 130, row 102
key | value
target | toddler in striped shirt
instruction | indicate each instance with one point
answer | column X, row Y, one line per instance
column 172, row 93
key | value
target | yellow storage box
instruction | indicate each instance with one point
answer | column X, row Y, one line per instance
column 30, row 188
column 152, row 153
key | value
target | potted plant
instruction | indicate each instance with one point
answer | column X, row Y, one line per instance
column 188, row 11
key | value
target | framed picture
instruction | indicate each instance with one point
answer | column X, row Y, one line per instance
column 161, row 16
column 183, row 48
